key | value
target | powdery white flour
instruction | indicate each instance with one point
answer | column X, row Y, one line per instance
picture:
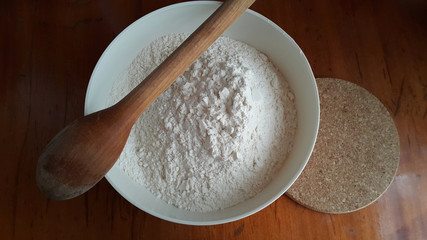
column 218, row 135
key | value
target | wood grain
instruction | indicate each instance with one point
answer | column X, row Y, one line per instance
column 49, row 49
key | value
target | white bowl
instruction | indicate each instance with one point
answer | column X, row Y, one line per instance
column 251, row 28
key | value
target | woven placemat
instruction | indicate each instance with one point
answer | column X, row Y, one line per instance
column 356, row 154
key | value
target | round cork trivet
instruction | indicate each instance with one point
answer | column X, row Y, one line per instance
column 356, row 154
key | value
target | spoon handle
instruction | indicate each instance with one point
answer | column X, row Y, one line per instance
column 138, row 100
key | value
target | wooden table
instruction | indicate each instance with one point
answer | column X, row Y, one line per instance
column 48, row 51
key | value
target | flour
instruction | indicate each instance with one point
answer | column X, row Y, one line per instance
column 218, row 134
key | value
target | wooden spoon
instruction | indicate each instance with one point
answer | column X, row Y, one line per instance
column 84, row 151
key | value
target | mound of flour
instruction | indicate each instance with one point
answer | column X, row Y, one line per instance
column 218, row 135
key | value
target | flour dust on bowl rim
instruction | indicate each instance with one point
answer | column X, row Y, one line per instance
column 251, row 28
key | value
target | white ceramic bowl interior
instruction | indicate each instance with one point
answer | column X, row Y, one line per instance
column 251, row 28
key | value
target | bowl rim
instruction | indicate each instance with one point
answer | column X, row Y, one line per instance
column 259, row 207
